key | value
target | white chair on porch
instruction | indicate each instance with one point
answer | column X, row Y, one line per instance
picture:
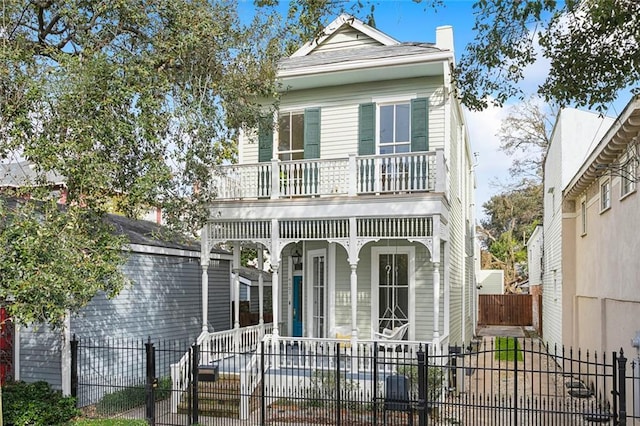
column 390, row 338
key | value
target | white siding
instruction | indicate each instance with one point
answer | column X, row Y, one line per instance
column 491, row 280
column 339, row 113
column 575, row 134
column 346, row 38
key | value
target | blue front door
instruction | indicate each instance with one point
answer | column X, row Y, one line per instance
column 297, row 306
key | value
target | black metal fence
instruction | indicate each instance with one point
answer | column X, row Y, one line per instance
column 501, row 381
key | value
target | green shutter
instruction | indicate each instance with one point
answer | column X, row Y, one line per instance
column 265, row 140
column 367, row 129
column 419, row 124
column 312, row 133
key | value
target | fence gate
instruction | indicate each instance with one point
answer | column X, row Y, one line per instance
column 131, row 379
column 505, row 309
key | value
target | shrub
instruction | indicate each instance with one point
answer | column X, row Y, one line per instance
column 324, row 387
column 435, row 380
column 131, row 397
column 36, row 404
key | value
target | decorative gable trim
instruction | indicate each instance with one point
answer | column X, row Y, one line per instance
column 339, row 22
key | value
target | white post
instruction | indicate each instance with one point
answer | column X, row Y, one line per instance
column 275, row 297
column 204, row 264
column 436, row 301
column 441, row 178
column 275, row 179
column 352, row 175
column 261, row 287
column 65, row 358
column 236, row 296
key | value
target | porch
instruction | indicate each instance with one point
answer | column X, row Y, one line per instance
column 338, row 177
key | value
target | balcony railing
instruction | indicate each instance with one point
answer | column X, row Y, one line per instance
column 355, row 175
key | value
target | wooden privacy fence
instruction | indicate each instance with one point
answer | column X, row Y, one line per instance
column 505, row 309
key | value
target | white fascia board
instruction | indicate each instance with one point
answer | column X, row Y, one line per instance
column 369, row 63
column 335, row 25
column 167, row 251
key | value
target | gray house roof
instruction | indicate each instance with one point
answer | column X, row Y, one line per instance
column 147, row 233
column 23, row 173
column 355, row 55
column 253, row 273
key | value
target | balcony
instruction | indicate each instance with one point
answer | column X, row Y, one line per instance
column 355, row 175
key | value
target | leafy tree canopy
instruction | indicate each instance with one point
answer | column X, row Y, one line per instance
column 132, row 102
column 591, row 45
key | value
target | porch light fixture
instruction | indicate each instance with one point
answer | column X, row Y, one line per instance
column 296, row 258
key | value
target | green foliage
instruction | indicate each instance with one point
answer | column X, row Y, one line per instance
column 576, row 37
column 507, row 348
column 511, row 217
column 324, row 387
column 36, row 404
column 435, row 380
column 132, row 104
column 55, row 259
column 131, row 397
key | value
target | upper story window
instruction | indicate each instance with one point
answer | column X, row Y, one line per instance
column 395, row 128
column 605, row 195
column 291, row 136
column 298, row 136
column 629, row 174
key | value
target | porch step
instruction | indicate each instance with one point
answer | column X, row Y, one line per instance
column 218, row 399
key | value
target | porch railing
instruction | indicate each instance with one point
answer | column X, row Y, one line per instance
column 355, row 175
column 215, row 347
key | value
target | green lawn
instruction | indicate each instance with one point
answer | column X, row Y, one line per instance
column 504, row 347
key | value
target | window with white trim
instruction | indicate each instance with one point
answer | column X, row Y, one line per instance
column 395, row 128
column 629, row 174
column 291, row 136
column 605, row 195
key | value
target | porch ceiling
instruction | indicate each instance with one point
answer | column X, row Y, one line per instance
column 403, row 205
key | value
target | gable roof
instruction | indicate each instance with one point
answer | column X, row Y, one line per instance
column 342, row 21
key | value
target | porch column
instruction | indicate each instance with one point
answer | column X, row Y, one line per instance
column 204, row 264
column 353, row 263
column 275, row 297
column 261, row 286
column 436, row 300
column 236, row 296
column 275, row 278
column 236, row 284
column 354, row 301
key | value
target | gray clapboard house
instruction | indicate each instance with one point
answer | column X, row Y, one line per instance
column 164, row 302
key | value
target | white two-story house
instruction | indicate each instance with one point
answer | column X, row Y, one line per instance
column 360, row 188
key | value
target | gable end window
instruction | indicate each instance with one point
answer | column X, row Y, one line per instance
column 605, row 195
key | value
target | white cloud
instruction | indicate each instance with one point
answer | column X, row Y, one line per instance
column 493, row 164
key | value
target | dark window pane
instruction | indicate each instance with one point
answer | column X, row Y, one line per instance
column 284, row 132
column 297, row 131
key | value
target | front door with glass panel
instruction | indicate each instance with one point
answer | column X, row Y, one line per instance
column 393, row 290
column 317, row 294
column 297, row 313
